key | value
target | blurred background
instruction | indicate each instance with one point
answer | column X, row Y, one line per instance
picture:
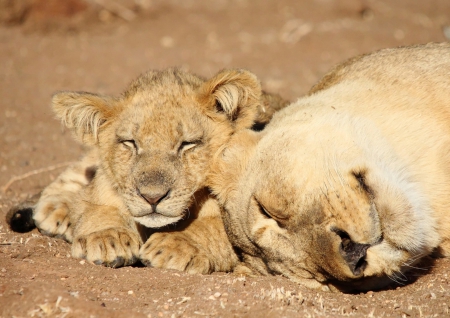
column 101, row 45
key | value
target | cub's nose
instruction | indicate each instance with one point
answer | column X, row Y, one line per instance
column 154, row 198
column 353, row 253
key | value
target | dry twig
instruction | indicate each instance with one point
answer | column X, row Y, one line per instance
column 117, row 9
column 34, row 172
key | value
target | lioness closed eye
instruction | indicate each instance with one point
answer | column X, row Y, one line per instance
column 348, row 187
column 150, row 152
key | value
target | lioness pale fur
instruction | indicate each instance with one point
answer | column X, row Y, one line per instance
column 150, row 152
column 348, row 187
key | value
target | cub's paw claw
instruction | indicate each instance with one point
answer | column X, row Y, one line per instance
column 52, row 219
column 174, row 251
column 146, row 262
column 111, row 247
column 117, row 262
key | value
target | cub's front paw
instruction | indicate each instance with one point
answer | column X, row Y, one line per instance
column 114, row 247
column 52, row 218
column 174, row 251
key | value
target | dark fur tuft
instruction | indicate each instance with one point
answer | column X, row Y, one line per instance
column 20, row 217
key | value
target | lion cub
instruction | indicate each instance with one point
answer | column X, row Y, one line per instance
column 348, row 187
column 150, row 152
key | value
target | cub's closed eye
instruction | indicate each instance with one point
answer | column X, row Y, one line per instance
column 186, row 145
column 130, row 143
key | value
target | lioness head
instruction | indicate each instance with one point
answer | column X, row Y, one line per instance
column 157, row 139
column 320, row 209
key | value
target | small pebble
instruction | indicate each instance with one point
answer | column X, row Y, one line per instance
column 446, row 30
column 82, row 262
column 130, row 292
column 217, row 295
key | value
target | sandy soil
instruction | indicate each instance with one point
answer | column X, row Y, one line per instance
column 51, row 45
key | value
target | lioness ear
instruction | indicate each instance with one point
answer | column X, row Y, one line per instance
column 235, row 93
column 83, row 113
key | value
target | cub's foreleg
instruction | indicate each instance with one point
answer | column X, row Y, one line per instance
column 51, row 213
column 201, row 246
column 104, row 232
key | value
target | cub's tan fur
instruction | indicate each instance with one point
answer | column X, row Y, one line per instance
column 150, row 152
column 348, row 187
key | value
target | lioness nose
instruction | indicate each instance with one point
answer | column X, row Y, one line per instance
column 353, row 253
column 355, row 256
column 154, row 198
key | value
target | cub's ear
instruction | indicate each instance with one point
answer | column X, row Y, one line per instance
column 271, row 103
column 83, row 113
column 235, row 93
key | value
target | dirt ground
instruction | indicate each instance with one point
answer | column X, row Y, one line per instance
column 99, row 46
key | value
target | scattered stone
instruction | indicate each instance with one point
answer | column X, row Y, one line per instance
column 74, row 294
column 183, row 300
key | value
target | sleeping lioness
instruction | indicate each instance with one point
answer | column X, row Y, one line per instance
column 150, row 152
column 348, row 187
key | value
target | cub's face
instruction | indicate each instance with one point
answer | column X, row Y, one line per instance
column 158, row 155
column 320, row 209
column 156, row 141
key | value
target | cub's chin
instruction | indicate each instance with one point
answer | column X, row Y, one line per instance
column 156, row 220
